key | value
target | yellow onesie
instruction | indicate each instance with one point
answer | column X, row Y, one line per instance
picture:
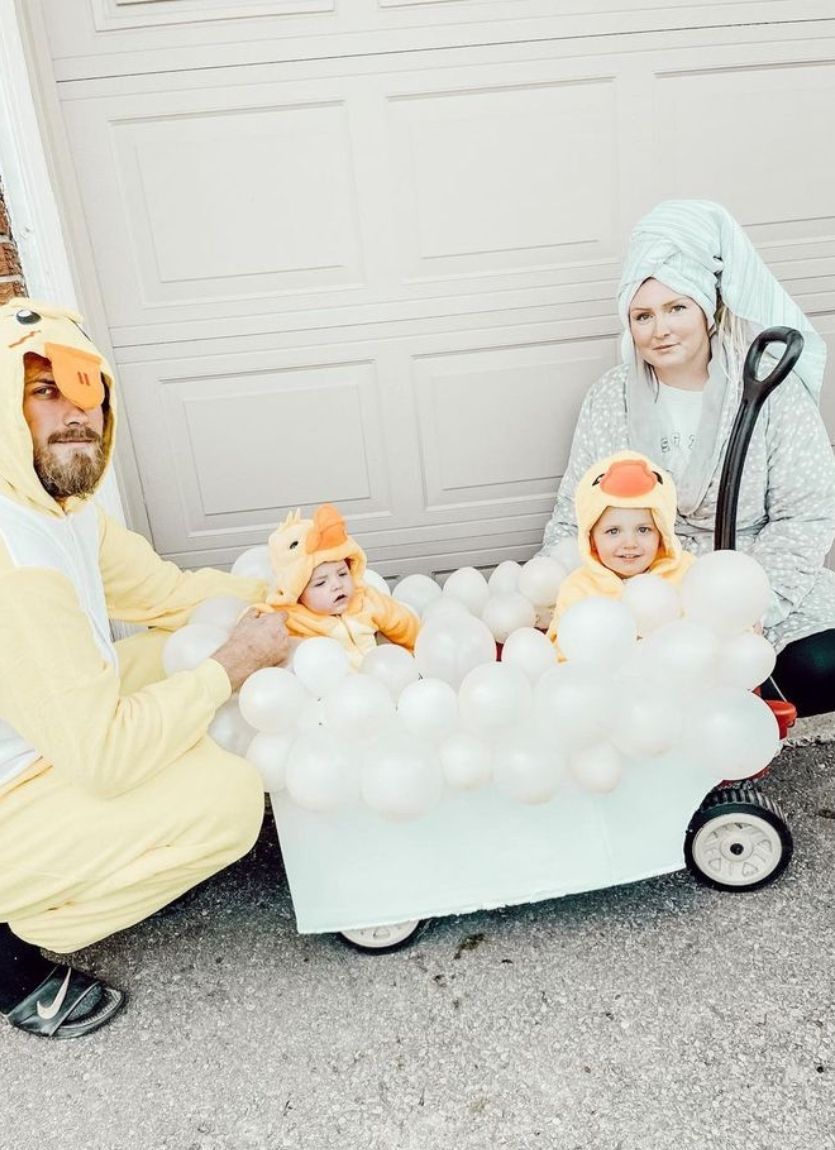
column 297, row 547
column 626, row 479
column 113, row 800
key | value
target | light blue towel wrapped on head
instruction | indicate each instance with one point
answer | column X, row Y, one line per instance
column 697, row 248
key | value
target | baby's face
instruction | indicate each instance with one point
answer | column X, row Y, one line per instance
column 626, row 540
column 329, row 590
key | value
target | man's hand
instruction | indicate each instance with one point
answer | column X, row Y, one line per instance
column 257, row 641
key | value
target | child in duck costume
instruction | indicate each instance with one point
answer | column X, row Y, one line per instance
column 626, row 514
column 318, row 571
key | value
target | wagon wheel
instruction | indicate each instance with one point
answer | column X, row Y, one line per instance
column 383, row 939
column 738, row 840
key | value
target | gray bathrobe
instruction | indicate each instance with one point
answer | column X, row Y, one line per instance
column 786, row 516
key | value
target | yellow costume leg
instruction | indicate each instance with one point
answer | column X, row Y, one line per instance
column 75, row 868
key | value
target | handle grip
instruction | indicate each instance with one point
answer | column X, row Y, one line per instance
column 754, row 394
column 754, row 388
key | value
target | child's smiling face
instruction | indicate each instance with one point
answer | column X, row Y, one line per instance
column 626, row 540
column 330, row 588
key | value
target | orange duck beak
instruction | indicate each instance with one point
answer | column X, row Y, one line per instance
column 628, row 478
column 328, row 530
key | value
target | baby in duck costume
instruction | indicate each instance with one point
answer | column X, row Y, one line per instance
column 318, row 570
column 626, row 514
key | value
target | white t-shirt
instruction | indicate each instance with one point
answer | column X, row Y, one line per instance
column 679, row 412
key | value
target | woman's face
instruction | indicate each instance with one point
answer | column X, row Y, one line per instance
column 669, row 330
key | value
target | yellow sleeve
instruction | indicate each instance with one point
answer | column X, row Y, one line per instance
column 142, row 588
column 60, row 693
column 394, row 619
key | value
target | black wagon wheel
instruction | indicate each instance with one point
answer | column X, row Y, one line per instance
column 738, row 840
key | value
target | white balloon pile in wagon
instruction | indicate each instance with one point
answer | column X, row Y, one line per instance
column 662, row 673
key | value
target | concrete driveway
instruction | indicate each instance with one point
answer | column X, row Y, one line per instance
column 654, row 1016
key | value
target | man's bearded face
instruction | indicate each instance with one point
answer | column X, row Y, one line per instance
column 70, row 470
column 68, row 448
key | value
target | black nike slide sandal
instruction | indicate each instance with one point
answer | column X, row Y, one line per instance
column 67, row 1004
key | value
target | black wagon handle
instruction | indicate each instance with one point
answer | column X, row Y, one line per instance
column 755, row 392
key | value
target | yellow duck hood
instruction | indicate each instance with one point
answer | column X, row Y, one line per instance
column 628, row 479
column 79, row 367
column 299, row 545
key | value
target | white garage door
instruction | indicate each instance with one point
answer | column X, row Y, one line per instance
column 366, row 251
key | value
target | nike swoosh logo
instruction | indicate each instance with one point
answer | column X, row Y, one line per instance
column 47, row 1012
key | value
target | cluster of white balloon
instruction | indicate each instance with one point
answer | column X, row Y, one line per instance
column 664, row 671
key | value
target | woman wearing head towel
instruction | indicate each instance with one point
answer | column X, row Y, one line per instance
column 693, row 294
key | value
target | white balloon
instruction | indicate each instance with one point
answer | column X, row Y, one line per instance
column 567, row 553
column 597, row 769
column 401, row 777
column 466, row 761
column 272, row 699
column 375, row 580
column 428, row 709
column 450, row 648
column 392, row 666
column 574, row 706
column 358, row 708
column 597, row 631
column 649, row 719
column 321, row 773
column 727, row 591
column 745, row 661
column 504, row 578
column 254, row 564
column 190, row 646
column 442, row 610
column 229, row 729
column 652, row 602
column 311, row 717
column 540, row 579
column 530, row 651
column 221, row 611
column 469, row 587
column 319, row 664
column 494, row 696
column 681, row 654
column 527, row 769
column 417, row 591
column 735, row 732
column 269, row 753
column 506, row 613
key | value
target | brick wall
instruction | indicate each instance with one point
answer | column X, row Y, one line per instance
column 11, row 274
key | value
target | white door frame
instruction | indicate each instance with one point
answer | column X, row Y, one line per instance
column 30, row 195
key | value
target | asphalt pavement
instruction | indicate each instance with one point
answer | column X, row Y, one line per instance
column 654, row 1016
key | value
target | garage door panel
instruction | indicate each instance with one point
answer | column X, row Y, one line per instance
column 245, row 440
column 489, row 421
column 128, row 37
column 187, row 173
column 228, row 200
column 753, row 170
column 418, row 442
column 376, row 191
column 209, row 205
column 481, row 187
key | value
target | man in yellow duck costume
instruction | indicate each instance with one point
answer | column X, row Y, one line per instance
column 626, row 515
column 307, row 552
column 113, row 800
